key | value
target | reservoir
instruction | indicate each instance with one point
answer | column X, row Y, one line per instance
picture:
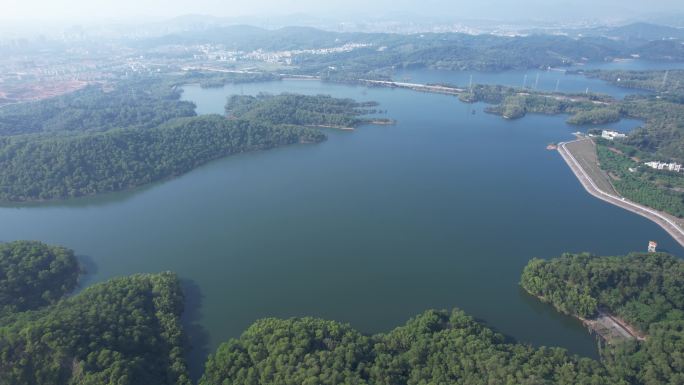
column 549, row 80
column 370, row 227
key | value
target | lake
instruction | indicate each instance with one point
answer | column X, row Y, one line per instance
column 544, row 80
column 370, row 227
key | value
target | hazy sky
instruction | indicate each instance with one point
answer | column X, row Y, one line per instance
column 82, row 10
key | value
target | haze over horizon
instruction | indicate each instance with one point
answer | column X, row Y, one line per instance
column 82, row 11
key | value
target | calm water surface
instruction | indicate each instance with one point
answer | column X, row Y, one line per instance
column 370, row 227
column 544, row 80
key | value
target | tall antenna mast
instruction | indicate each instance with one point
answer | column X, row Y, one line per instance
column 557, row 84
column 524, row 81
column 471, row 83
column 536, row 82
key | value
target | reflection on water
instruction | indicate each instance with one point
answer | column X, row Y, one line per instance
column 197, row 337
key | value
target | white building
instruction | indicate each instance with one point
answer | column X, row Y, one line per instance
column 610, row 135
column 676, row 167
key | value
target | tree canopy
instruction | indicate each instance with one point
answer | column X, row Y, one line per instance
column 125, row 331
column 437, row 347
column 33, row 275
column 646, row 290
column 141, row 103
column 57, row 167
column 100, row 140
column 303, row 110
column 641, row 288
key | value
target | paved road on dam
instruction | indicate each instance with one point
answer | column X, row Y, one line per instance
column 666, row 221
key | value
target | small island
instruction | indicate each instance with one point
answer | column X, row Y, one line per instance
column 319, row 111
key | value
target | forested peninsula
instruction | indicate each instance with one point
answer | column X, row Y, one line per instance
column 64, row 166
column 127, row 331
column 139, row 103
column 123, row 331
column 451, row 348
column 644, row 290
column 119, row 143
column 436, row 347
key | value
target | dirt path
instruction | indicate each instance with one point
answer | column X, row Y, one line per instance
column 610, row 329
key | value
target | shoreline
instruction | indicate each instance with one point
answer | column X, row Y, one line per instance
column 342, row 128
column 611, row 328
column 665, row 221
column 607, row 326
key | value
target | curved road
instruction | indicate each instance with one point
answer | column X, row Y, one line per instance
column 665, row 221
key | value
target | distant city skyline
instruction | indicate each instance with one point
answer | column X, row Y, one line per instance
column 443, row 10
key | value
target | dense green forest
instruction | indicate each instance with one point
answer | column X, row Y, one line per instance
column 140, row 103
column 454, row 51
column 219, row 79
column 646, row 290
column 449, row 50
column 641, row 288
column 518, row 105
column 62, row 166
column 662, row 135
column 513, row 103
column 33, row 275
column 110, row 138
column 436, row 347
column 125, row 331
column 302, row 110
column 663, row 132
column 439, row 50
column 596, row 116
